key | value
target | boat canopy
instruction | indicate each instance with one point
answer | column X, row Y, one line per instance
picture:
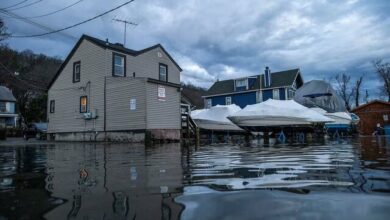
column 318, row 93
column 216, row 113
column 284, row 109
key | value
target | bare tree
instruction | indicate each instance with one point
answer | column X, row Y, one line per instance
column 344, row 90
column 383, row 71
column 366, row 98
column 3, row 30
column 356, row 90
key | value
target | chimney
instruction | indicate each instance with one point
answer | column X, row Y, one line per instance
column 107, row 43
column 267, row 77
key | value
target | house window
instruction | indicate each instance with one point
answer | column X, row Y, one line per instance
column 259, row 96
column 118, row 65
column 228, row 100
column 83, row 104
column 3, row 107
column 291, row 94
column 242, row 83
column 275, row 94
column 52, row 106
column 163, row 72
column 208, row 103
column 76, row 71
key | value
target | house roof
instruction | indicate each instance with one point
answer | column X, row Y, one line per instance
column 6, row 94
column 370, row 103
column 279, row 79
column 112, row 46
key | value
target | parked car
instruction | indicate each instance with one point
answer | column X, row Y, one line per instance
column 35, row 130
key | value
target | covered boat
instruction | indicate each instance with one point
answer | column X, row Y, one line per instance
column 215, row 118
column 321, row 97
column 277, row 113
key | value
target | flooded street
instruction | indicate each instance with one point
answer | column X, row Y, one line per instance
column 343, row 180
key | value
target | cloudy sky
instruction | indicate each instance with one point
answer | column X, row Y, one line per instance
column 221, row 39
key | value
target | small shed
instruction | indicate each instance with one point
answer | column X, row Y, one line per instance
column 371, row 114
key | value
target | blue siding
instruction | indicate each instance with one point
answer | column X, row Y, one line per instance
column 267, row 94
column 241, row 99
column 282, row 94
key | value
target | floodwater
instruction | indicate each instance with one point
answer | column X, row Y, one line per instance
column 337, row 180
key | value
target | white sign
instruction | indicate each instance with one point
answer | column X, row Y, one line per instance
column 385, row 117
column 161, row 93
column 133, row 104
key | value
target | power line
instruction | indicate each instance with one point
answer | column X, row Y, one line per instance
column 72, row 26
column 33, row 22
column 15, row 4
column 24, row 6
column 54, row 12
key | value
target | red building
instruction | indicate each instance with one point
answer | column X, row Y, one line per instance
column 371, row 114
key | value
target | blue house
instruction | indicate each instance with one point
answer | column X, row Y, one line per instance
column 254, row 89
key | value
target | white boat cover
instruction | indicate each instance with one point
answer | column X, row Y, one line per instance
column 283, row 109
column 217, row 113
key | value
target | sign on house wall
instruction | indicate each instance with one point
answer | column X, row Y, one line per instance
column 161, row 93
column 133, row 104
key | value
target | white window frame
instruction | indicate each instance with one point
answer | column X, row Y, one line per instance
column 243, row 82
column 208, row 103
column 163, row 77
column 291, row 94
column 259, row 96
column 122, row 65
column 228, row 100
column 276, row 94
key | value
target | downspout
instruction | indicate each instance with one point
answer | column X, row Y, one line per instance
column 104, row 115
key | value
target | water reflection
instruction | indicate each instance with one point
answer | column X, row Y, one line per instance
column 121, row 181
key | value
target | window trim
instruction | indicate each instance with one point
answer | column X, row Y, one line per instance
column 166, row 74
column 52, row 106
column 230, row 98
column 86, row 104
column 241, row 79
column 74, row 71
column 113, row 64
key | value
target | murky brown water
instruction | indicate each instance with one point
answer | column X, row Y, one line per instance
column 343, row 180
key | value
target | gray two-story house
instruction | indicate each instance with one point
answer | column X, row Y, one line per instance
column 8, row 116
column 104, row 91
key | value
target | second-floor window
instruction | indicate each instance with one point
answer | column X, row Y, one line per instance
column 76, row 71
column 241, row 84
column 228, row 100
column 163, row 72
column 118, row 65
column 83, row 104
column 3, row 107
column 52, row 106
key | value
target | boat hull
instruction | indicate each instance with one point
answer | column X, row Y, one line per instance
column 216, row 125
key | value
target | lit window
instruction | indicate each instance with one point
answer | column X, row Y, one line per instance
column 76, row 71
column 163, row 72
column 119, row 65
column 83, row 104
column 275, row 94
column 52, row 106
column 228, row 100
column 208, row 103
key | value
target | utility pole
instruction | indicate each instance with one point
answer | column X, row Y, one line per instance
column 125, row 23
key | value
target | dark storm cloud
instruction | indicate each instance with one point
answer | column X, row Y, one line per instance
column 218, row 39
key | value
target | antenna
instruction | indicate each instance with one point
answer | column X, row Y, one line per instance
column 125, row 22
